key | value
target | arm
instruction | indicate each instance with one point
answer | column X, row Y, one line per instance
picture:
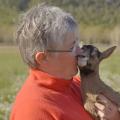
column 106, row 109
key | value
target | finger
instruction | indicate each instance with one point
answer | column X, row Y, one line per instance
column 102, row 99
column 106, row 110
column 100, row 114
column 99, row 106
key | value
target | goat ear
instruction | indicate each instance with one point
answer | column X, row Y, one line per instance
column 107, row 53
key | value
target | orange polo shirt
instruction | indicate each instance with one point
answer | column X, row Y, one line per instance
column 44, row 97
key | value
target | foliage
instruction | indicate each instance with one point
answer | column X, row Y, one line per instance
column 101, row 14
column 90, row 12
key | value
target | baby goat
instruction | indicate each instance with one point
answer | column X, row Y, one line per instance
column 91, row 84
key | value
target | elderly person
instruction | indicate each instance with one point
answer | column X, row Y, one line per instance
column 48, row 41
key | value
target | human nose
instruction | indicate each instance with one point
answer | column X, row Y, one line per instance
column 78, row 51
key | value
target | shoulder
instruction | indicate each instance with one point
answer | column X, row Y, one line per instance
column 31, row 110
column 76, row 87
column 30, row 105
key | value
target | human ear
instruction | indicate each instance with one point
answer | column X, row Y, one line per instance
column 39, row 57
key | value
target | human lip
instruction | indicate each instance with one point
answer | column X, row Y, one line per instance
column 80, row 52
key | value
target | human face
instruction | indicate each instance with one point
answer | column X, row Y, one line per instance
column 64, row 60
column 69, row 58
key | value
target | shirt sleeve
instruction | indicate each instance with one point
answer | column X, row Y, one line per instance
column 32, row 112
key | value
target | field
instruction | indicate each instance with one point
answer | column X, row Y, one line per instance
column 13, row 73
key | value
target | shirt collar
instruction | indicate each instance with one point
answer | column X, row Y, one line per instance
column 49, row 81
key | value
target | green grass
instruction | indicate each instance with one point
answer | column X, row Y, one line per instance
column 11, row 67
column 110, row 71
column 13, row 72
column 12, row 75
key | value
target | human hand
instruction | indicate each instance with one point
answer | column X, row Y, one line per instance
column 106, row 109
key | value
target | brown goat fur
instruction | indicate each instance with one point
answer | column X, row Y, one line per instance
column 91, row 84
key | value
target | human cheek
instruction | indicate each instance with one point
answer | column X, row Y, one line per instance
column 73, row 58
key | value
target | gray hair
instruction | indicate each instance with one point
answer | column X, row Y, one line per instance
column 42, row 27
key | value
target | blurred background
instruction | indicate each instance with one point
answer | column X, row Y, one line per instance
column 99, row 23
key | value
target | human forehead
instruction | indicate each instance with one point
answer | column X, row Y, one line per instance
column 72, row 37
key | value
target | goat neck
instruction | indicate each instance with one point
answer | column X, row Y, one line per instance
column 90, row 74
